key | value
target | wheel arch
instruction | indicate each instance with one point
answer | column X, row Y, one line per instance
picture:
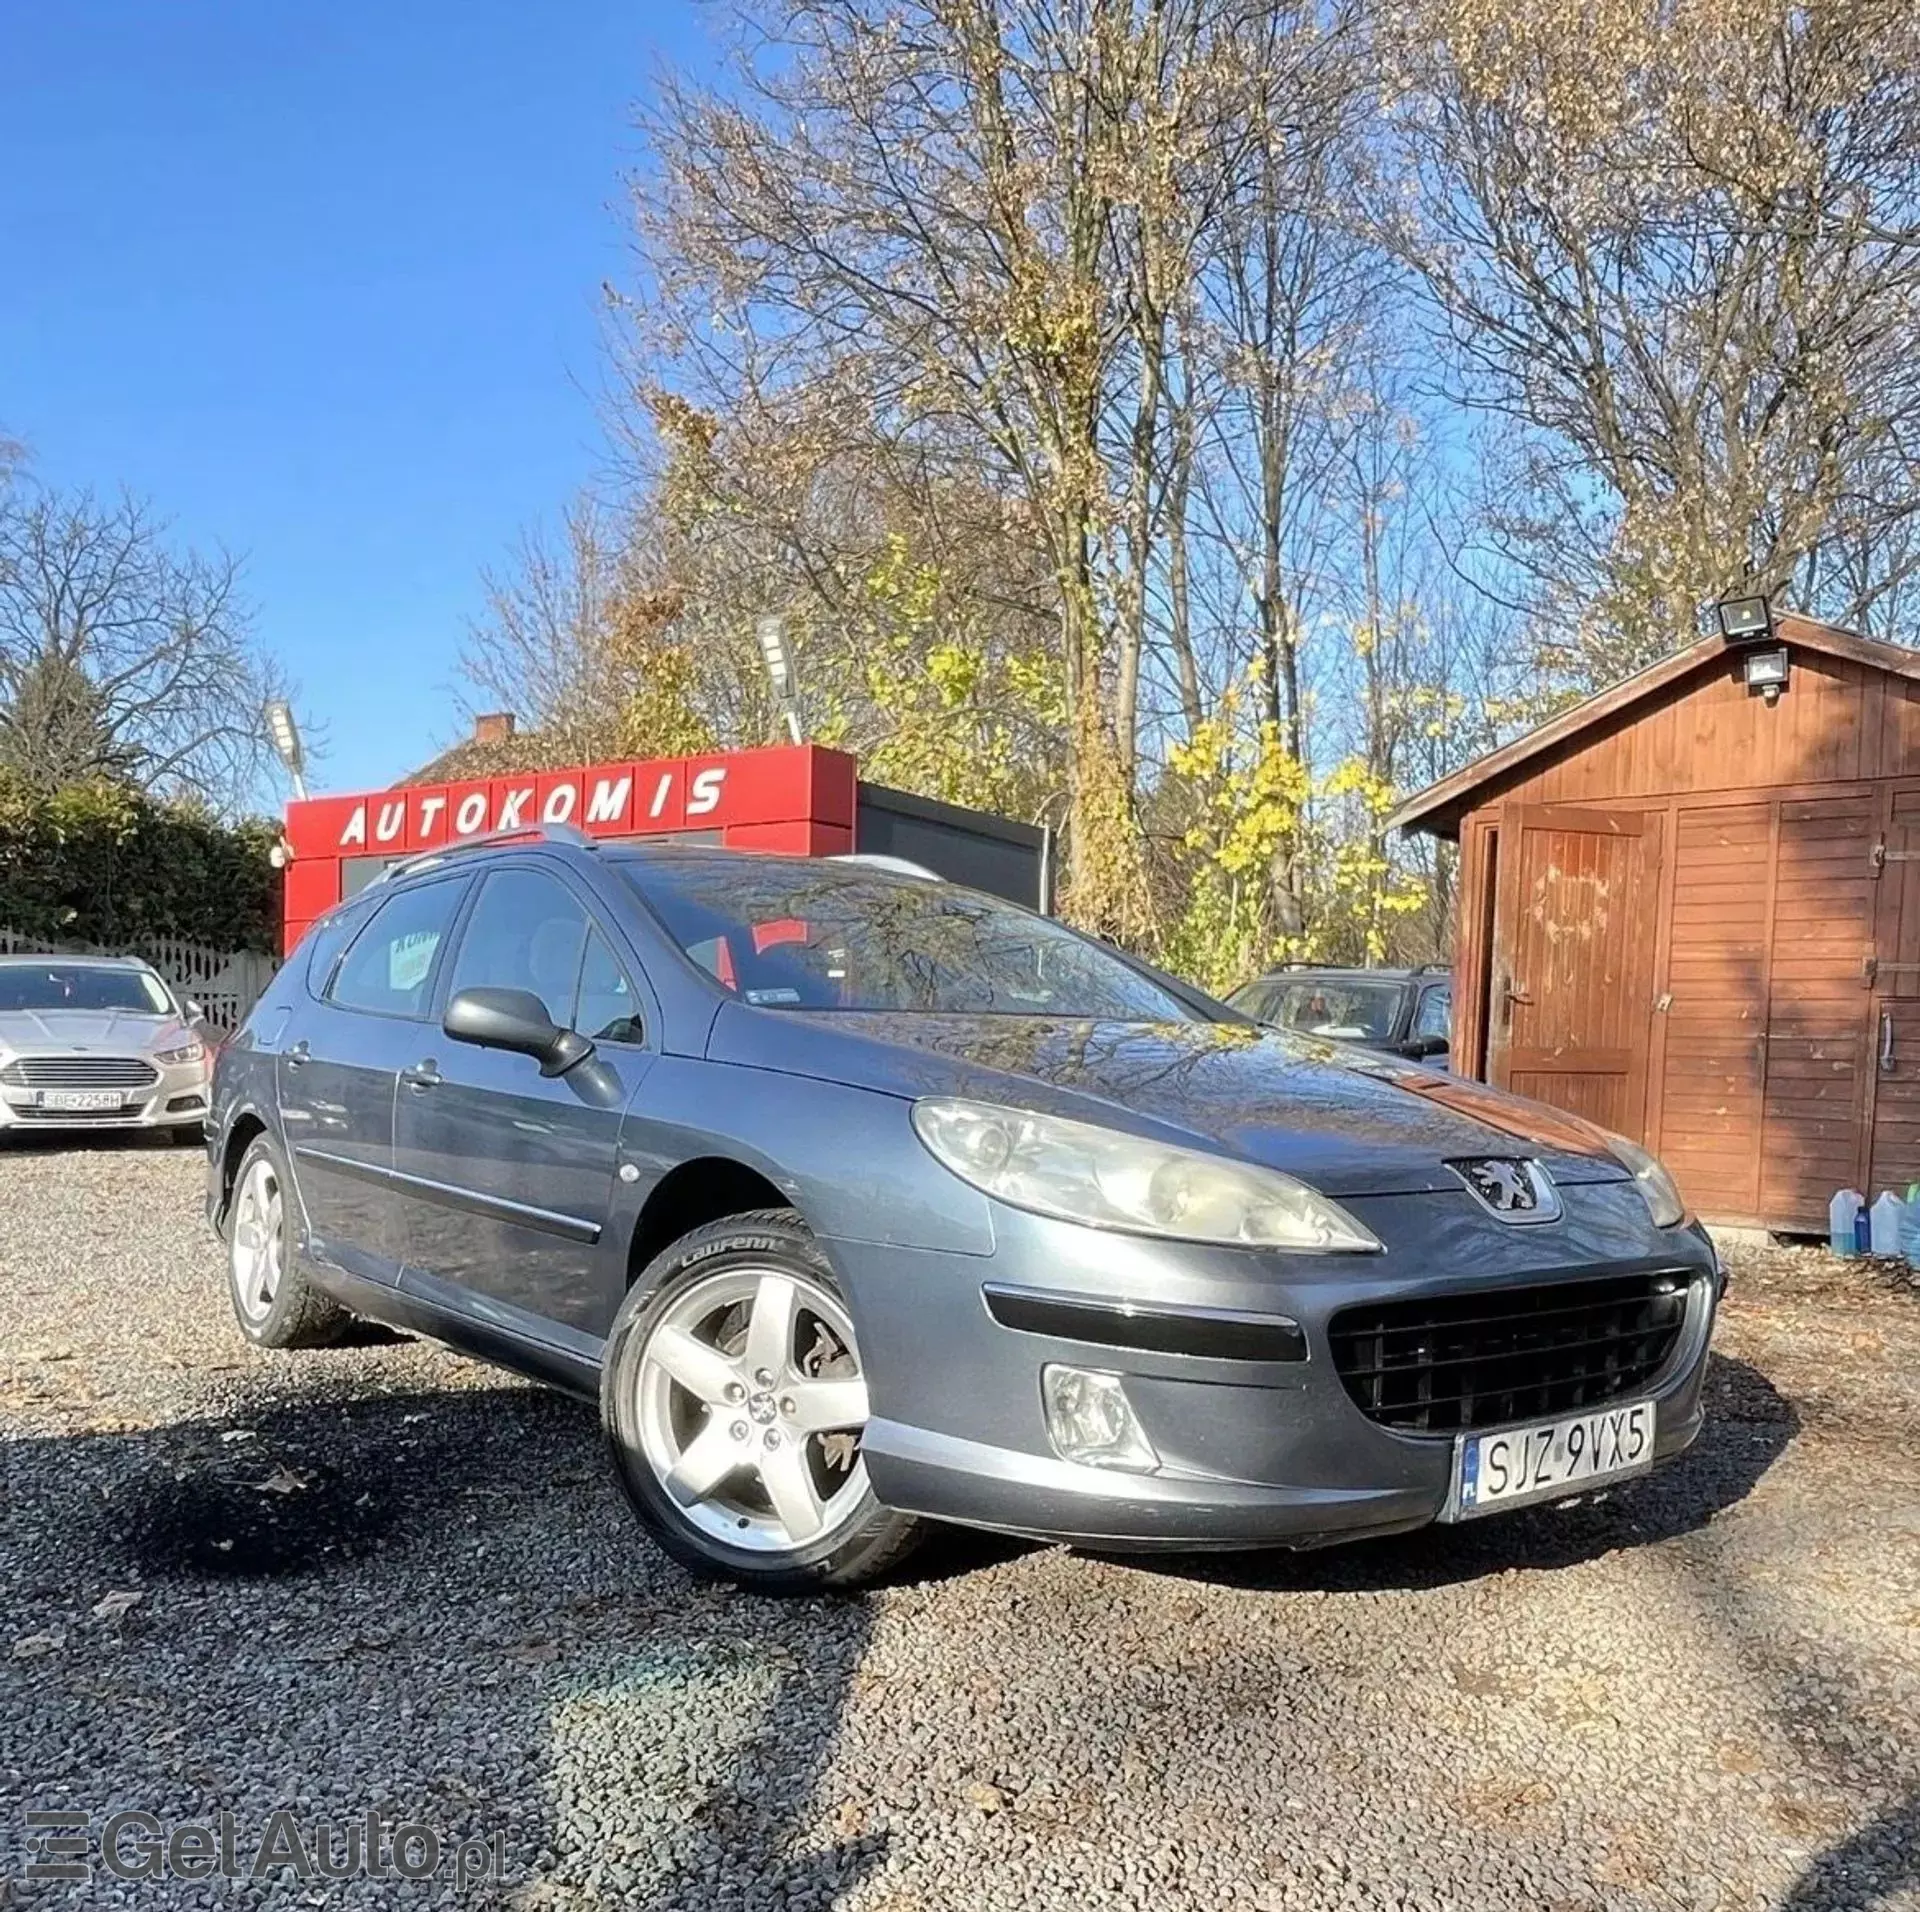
column 703, row 1189
column 241, row 1131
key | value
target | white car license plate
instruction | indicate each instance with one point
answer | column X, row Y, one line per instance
column 1519, row 1465
column 77, row 1099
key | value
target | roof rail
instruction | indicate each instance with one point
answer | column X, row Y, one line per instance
column 492, row 840
column 879, row 860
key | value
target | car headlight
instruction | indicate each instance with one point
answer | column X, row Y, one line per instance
column 1664, row 1201
column 1081, row 1172
column 187, row 1052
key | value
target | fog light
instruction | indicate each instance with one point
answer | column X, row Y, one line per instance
column 1089, row 1419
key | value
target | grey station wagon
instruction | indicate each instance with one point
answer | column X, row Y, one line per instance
column 857, row 1199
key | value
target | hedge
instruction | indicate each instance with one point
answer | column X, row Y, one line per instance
column 102, row 863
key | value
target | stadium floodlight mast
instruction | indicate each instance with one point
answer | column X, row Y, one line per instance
column 284, row 734
column 780, row 678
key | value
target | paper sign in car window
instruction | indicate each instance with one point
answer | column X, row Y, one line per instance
column 409, row 960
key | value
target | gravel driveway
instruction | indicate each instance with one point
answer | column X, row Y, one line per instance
column 383, row 1576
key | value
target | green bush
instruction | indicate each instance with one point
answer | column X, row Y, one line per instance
column 100, row 863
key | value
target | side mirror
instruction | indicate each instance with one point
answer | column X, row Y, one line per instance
column 516, row 1020
column 1421, row 1047
column 195, row 1008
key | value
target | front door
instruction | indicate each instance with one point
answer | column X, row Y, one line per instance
column 509, row 1175
column 1573, row 960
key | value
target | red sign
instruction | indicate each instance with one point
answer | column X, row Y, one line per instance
column 620, row 799
column 793, row 798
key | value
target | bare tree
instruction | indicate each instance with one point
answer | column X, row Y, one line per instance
column 580, row 639
column 93, row 594
column 1677, row 252
column 919, row 211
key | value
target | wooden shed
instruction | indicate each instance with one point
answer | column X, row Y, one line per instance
column 1691, row 911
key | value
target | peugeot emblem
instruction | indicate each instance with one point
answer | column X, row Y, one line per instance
column 1516, row 1191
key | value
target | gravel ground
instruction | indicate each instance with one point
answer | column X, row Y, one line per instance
column 383, row 1576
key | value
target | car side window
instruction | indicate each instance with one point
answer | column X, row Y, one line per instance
column 608, row 1009
column 389, row 966
column 527, row 931
column 1434, row 1017
column 322, row 944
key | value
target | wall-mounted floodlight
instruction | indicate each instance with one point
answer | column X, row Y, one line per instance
column 1766, row 671
column 284, row 734
column 1744, row 620
column 780, row 677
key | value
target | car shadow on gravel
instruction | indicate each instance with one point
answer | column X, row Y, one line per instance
column 1865, row 1869
column 1750, row 1424
column 22, row 1141
column 311, row 1572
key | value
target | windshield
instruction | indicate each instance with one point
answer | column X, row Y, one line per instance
column 81, row 986
column 790, row 935
column 1346, row 1010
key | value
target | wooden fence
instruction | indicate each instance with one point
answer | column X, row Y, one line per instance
column 226, row 983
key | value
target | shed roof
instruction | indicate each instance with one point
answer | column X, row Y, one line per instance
column 1440, row 806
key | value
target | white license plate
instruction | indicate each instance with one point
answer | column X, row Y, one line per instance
column 81, row 1098
column 1519, row 1465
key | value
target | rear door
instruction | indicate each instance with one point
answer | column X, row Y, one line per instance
column 1573, row 960
column 509, row 1175
column 336, row 1076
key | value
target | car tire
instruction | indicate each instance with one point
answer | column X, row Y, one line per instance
column 273, row 1300
column 722, row 1460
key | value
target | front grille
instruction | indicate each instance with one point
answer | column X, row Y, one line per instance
column 79, row 1072
column 1453, row 1362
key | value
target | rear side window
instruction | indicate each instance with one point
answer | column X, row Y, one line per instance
column 1435, row 1017
column 322, row 944
column 389, row 968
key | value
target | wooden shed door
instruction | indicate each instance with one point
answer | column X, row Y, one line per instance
column 1764, row 1057
column 1710, row 1047
column 1573, row 960
column 1826, row 914
column 1894, row 1156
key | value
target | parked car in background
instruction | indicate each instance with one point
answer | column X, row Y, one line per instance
column 857, row 1199
column 99, row 1042
column 1405, row 1012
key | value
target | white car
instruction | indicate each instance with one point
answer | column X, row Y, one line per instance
column 99, row 1042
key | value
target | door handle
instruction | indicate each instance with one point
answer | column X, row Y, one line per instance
column 423, row 1075
column 1886, row 1042
column 299, row 1054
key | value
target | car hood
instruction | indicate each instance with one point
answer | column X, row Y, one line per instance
column 124, row 1031
column 1341, row 1118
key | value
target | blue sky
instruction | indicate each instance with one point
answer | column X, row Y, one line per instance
column 324, row 283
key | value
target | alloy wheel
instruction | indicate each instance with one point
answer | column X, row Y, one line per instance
column 751, row 1402
column 255, row 1252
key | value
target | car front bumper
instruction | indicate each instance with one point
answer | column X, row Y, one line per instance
column 1253, row 1452
column 177, row 1099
